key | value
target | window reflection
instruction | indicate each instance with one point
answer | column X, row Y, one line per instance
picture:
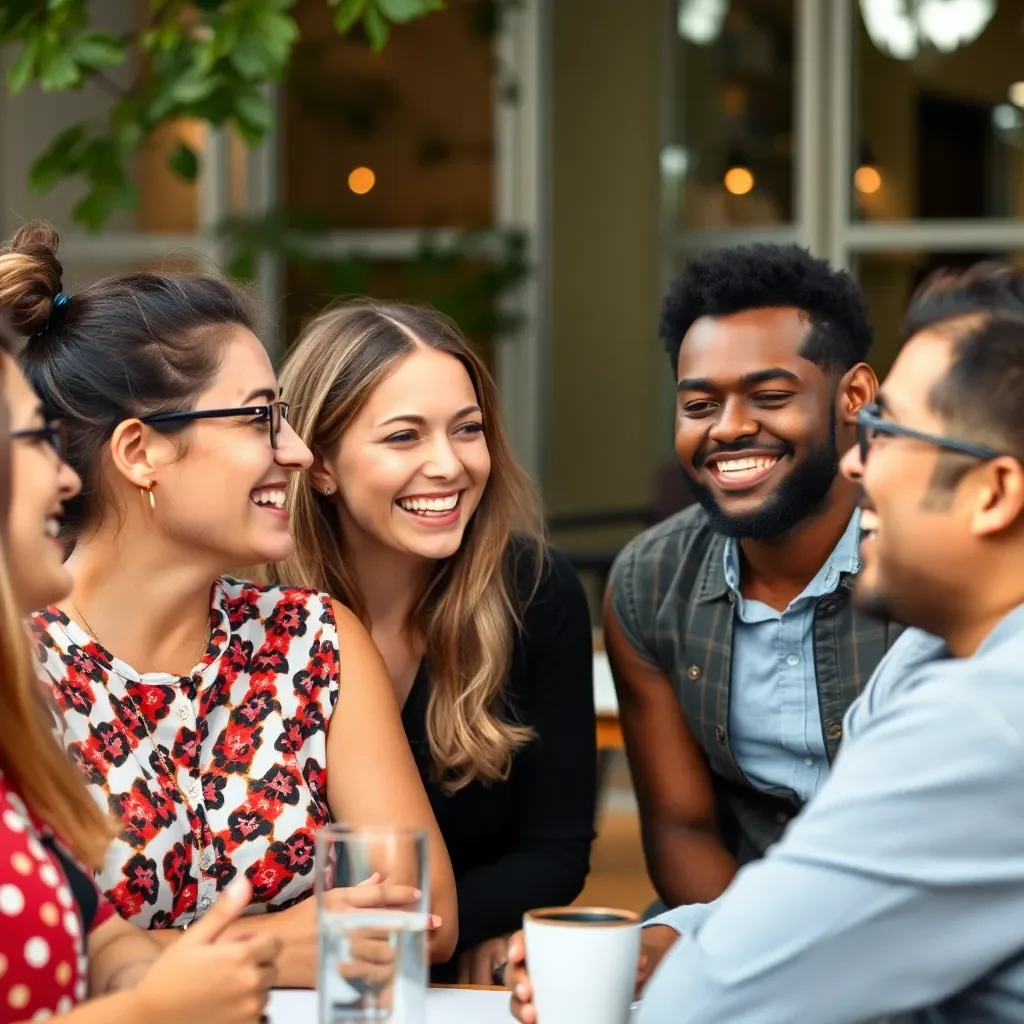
column 398, row 139
column 942, row 132
column 888, row 280
column 731, row 158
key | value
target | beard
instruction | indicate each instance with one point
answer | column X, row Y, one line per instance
column 800, row 493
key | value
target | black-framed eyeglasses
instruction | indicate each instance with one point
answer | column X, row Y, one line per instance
column 870, row 425
column 54, row 433
column 273, row 415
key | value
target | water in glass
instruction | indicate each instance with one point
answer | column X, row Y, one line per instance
column 372, row 959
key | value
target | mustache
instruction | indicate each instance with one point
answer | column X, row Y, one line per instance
column 737, row 448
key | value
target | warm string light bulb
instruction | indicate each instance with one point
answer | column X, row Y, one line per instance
column 867, row 179
column 738, row 180
column 361, row 180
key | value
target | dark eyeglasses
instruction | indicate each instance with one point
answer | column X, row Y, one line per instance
column 871, row 425
column 54, row 434
column 273, row 415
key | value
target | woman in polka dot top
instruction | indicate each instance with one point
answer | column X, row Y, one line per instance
column 64, row 951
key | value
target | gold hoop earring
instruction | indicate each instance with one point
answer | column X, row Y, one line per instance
column 148, row 490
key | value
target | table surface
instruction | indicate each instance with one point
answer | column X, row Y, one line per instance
column 444, row 1006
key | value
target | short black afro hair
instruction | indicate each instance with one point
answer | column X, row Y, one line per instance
column 733, row 280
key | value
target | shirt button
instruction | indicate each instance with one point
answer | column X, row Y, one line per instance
column 720, row 734
column 183, row 712
column 809, row 761
column 782, row 818
column 834, row 731
column 205, row 902
column 793, row 660
column 693, row 672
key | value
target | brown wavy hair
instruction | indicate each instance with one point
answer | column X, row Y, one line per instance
column 472, row 605
column 30, row 757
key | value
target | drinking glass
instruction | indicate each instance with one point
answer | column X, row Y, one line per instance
column 372, row 960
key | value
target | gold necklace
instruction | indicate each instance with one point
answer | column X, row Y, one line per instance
column 92, row 633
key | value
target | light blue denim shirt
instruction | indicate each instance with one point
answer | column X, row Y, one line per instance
column 897, row 894
column 775, row 726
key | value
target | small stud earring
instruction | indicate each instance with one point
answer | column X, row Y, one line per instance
column 328, row 491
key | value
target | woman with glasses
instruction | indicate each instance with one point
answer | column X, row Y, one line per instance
column 223, row 722
column 62, row 941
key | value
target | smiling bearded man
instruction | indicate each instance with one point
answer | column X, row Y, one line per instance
column 733, row 640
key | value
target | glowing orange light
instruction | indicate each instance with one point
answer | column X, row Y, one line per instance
column 361, row 180
column 738, row 180
column 866, row 179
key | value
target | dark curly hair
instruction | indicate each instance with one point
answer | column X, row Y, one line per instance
column 736, row 279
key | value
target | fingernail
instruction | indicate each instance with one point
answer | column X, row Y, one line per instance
column 237, row 888
column 416, row 894
column 434, row 921
column 521, row 992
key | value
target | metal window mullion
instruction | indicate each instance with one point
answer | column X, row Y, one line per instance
column 521, row 200
column 810, row 86
column 668, row 229
column 214, row 196
column 713, row 238
column 262, row 186
column 842, row 118
column 935, row 235
column 127, row 246
column 380, row 244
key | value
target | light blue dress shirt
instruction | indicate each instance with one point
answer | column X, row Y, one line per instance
column 897, row 894
column 775, row 729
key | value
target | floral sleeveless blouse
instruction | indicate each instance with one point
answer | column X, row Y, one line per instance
column 219, row 772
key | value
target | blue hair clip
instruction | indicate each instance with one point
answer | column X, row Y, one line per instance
column 60, row 299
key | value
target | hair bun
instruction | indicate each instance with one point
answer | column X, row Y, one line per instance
column 30, row 277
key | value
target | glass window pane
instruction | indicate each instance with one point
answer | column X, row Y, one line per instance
column 399, row 139
column 731, row 159
column 461, row 289
column 889, row 279
column 941, row 134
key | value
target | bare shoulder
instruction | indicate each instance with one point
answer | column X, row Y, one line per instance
column 353, row 637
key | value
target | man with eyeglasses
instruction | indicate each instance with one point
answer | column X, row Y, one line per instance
column 897, row 895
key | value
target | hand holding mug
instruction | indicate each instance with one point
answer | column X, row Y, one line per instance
column 655, row 942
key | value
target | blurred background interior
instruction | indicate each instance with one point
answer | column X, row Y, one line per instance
column 541, row 169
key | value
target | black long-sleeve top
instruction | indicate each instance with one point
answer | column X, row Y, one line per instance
column 525, row 843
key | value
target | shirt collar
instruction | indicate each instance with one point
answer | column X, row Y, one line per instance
column 845, row 559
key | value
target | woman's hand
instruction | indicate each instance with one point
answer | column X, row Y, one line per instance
column 208, row 976
column 655, row 942
column 296, row 926
column 372, row 778
column 477, row 964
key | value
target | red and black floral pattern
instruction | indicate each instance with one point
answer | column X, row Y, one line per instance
column 212, row 774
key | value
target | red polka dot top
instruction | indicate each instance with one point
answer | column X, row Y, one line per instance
column 48, row 903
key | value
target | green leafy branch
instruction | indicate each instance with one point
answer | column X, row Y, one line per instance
column 209, row 60
column 468, row 276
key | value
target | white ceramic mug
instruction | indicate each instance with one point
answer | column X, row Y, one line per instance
column 582, row 963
